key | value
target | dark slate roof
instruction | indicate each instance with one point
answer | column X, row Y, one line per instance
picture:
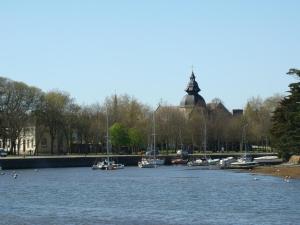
column 217, row 107
column 192, row 98
column 192, row 87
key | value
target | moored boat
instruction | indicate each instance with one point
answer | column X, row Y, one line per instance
column 264, row 160
column 179, row 161
column 204, row 162
column 213, row 161
column 107, row 165
column 150, row 163
column 225, row 163
column 198, row 162
column 243, row 164
column 246, row 161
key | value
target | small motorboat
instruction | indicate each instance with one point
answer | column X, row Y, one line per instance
column 107, row 165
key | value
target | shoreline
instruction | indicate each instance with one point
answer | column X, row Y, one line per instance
column 55, row 161
column 283, row 170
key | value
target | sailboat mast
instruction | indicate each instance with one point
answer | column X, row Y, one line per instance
column 107, row 137
column 154, row 138
column 205, row 134
column 244, row 139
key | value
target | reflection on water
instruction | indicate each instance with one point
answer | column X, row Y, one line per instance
column 165, row 195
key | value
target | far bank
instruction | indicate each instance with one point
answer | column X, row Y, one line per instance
column 32, row 162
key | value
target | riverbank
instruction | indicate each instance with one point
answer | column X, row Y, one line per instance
column 283, row 170
column 35, row 162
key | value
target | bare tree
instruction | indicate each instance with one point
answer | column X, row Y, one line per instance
column 52, row 113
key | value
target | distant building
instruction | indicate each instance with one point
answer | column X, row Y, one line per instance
column 237, row 112
column 194, row 100
column 25, row 144
column 211, row 121
column 33, row 140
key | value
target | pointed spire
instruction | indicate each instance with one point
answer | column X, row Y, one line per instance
column 192, row 98
column 192, row 87
column 193, row 75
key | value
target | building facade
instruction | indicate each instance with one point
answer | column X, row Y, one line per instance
column 194, row 100
column 25, row 144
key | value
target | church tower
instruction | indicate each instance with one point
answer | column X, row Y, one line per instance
column 192, row 98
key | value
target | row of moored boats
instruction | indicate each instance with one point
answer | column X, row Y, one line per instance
column 233, row 163
column 226, row 163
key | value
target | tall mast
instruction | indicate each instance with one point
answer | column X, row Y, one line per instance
column 107, row 137
column 154, row 135
column 205, row 134
column 154, row 138
column 244, row 144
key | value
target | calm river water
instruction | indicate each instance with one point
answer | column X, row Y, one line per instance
column 165, row 195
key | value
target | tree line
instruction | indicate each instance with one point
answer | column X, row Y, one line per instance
column 57, row 114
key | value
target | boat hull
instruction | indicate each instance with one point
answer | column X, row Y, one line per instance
column 268, row 160
column 179, row 161
column 107, row 166
column 242, row 165
column 151, row 163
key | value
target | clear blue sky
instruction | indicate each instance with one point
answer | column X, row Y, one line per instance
column 93, row 49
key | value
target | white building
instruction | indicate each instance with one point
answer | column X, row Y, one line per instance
column 25, row 144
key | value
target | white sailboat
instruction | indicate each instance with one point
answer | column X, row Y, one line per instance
column 204, row 163
column 244, row 162
column 107, row 164
column 152, row 162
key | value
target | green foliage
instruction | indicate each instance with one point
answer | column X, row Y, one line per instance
column 135, row 137
column 286, row 120
column 119, row 135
